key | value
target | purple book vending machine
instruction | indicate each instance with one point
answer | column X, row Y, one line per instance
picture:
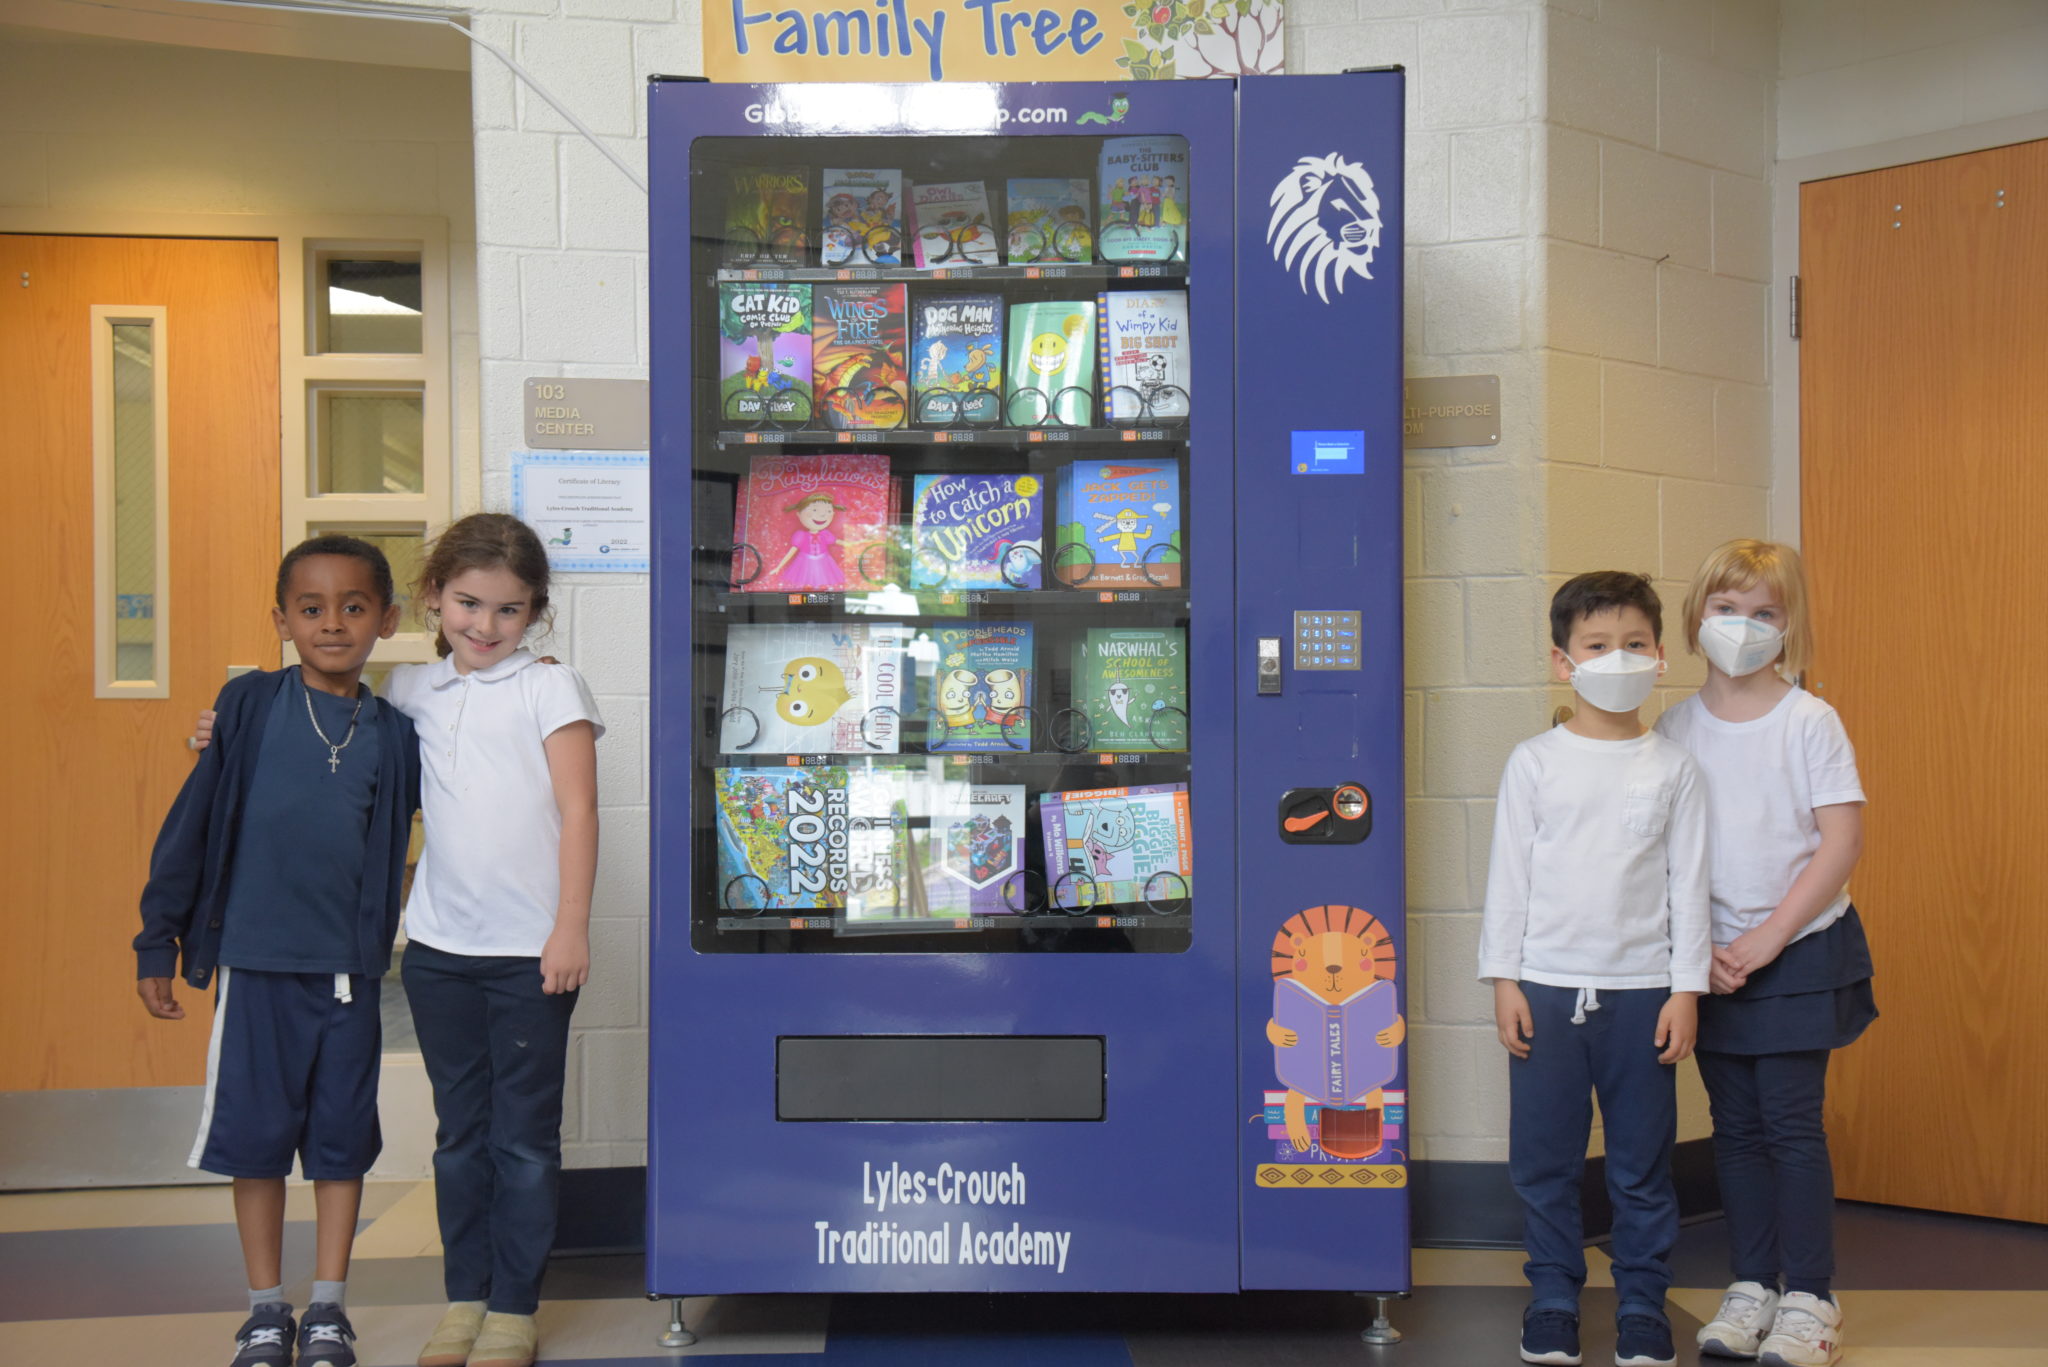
column 1027, row 745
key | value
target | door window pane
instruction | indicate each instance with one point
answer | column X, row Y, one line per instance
column 368, row 441
column 403, row 546
column 133, row 427
column 369, row 306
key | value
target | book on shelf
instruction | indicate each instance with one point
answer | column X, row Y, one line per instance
column 863, row 218
column 979, row 697
column 1110, row 846
column 1146, row 368
column 1132, row 684
column 1047, row 218
column 956, row 351
column 814, row 688
column 1117, row 525
column 813, row 524
column 764, row 352
column 973, row 855
column 860, row 337
column 812, row 838
column 1143, row 213
column 765, row 211
column 1052, row 362
column 950, row 225
column 976, row 531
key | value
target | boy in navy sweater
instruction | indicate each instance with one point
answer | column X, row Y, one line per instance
column 280, row 863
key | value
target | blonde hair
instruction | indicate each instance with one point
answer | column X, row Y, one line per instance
column 1743, row 564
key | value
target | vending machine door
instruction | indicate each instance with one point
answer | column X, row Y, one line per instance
column 945, row 941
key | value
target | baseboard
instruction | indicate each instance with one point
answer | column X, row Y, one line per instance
column 1453, row 1205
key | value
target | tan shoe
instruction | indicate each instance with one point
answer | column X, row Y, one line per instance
column 505, row 1341
column 449, row 1347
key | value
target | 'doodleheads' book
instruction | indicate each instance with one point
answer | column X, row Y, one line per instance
column 976, row 531
column 1107, row 845
column 950, row 225
column 863, row 218
column 1132, row 683
column 956, row 346
column 814, row 688
column 1145, row 362
column 1052, row 351
column 1144, row 208
column 813, row 524
column 979, row 697
column 1118, row 525
column 1047, row 219
column 764, row 353
column 859, row 340
column 765, row 212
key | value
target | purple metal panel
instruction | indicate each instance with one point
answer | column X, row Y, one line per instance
column 1148, row 1195
column 1319, row 531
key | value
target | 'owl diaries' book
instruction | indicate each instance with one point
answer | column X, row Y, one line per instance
column 858, row 346
column 764, row 353
column 764, row 216
column 1145, row 362
column 976, row 532
column 1132, row 683
column 813, row 524
column 1052, row 363
column 950, row 225
column 1119, row 845
column 981, row 688
column 1336, row 1056
column 1117, row 525
column 814, row 688
column 1144, row 209
column 956, row 350
column 1048, row 220
column 863, row 219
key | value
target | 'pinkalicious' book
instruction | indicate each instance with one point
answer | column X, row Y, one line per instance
column 950, row 225
column 858, row 345
column 956, row 358
column 1106, row 846
column 813, row 524
column 764, row 354
column 814, row 688
column 980, row 691
column 863, row 218
column 1144, row 208
column 1117, row 525
column 1132, row 684
column 976, row 531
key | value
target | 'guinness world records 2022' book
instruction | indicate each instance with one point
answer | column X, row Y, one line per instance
column 1118, row 525
column 1132, row 683
column 764, row 353
column 1052, row 363
column 976, row 531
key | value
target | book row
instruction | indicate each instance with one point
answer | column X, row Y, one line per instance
column 847, row 688
column 829, row 523
column 1136, row 209
column 866, row 355
column 882, row 845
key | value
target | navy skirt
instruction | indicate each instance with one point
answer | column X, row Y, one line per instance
column 1816, row 995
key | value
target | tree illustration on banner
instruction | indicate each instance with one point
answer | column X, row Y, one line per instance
column 1194, row 40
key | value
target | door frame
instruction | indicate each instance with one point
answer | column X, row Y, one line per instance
column 1786, row 178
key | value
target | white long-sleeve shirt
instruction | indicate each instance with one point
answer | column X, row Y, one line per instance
column 1599, row 870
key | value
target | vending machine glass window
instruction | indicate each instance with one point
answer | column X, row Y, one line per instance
column 942, row 407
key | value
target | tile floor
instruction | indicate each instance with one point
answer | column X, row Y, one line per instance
column 153, row 1277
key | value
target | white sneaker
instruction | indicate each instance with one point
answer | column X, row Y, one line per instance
column 1739, row 1326
column 1806, row 1333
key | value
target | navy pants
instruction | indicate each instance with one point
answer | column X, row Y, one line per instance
column 1550, row 1103
column 1771, row 1154
column 495, row 1047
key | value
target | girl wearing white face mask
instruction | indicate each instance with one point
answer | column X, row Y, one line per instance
column 1791, row 972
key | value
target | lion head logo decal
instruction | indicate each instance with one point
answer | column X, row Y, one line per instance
column 1325, row 223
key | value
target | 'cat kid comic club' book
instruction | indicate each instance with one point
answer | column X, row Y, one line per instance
column 980, row 691
column 1106, row 846
column 950, row 225
column 956, row 358
column 1117, row 525
column 976, row 531
column 1146, row 368
column 764, row 353
column 859, row 339
column 813, row 524
column 863, row 218
column 1143, row 214
column 1132, row 684
column 1052, row 364
column 814, row 688
column 765, row 211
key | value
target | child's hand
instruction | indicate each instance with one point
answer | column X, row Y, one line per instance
column 1678, row 1025
column 1511, row 1017
column 1721, row 974
column 202, row 734
column 1754, row 949
column 564, row 961
column 157, row 999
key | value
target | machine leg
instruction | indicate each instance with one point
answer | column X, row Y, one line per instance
column 1382, row 1330
column 676, row 1336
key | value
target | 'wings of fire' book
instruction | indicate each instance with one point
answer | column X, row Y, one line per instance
column 813, row 524
column 1118, row 845
column 858, row 346
column 764, row 353
column 1118, row 525
column 981, row 688
column 1132, row 682
column 976, row 531
column 1337, row 1057
column 814, row 688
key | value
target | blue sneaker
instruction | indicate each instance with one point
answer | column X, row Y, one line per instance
column 1643, row 1341
column 326, row 1338
column 265, row 1338
column 1551, row 1337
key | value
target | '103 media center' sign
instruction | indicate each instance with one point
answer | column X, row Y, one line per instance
column 989, row 40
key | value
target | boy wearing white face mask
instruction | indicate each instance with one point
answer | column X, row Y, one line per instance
column 1595, row 940
column 1791, row 974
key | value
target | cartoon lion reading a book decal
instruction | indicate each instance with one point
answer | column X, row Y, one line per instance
column 1336, row 1028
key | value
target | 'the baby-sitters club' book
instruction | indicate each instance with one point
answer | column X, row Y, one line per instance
column 980, row 691
column 1052, row 363
column 1132, row 683
column 863, row 218
column 976, row 531
column 956, row 358
column 813, row 524
column 764, row 353
column 1117, row 525
column 1144, row 209
column 814, row 688
column 950, row 225
column 859, row 340
column 1107, row 846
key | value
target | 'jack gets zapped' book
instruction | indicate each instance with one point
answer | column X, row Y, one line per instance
column 859, row 339
column 975, row 531
column 1119, row 845
column 980, row 689
column 813, row 524
column 1118, row 525
column 1132, row 683
column 764, row 353
column 814, row 688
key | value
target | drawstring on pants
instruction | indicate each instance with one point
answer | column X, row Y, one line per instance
column 341, row 989
column 1588, row 1000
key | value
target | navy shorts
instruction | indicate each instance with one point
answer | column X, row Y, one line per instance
column 292, row 1069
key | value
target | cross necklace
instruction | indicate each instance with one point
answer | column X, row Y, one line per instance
column 333, row 750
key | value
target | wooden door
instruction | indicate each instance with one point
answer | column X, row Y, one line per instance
column 1924, row 489
column 89, row 778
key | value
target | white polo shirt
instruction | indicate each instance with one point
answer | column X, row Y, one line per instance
column 489, row 879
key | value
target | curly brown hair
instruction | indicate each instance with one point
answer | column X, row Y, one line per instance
column 486, row 541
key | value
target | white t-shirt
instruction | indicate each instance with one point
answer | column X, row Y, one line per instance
column 1599, row 870
column 489, row 879
column 1764, row 778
